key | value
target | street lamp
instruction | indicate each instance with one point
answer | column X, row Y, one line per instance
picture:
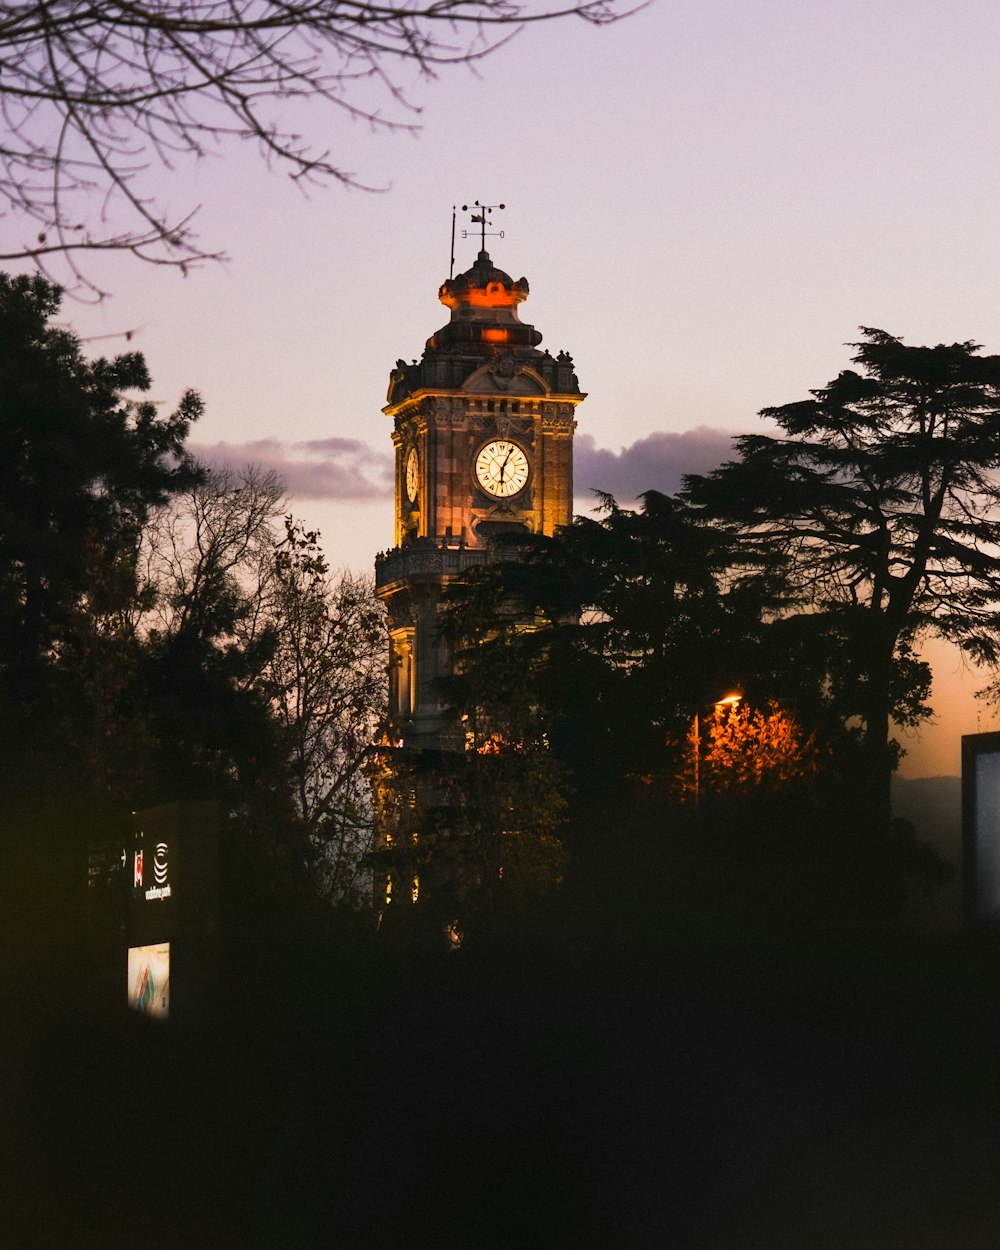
column 730, row 700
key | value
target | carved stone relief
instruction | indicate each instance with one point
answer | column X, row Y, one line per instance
column 504, row 368
column 504, row 424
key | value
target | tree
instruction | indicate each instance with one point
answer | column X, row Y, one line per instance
column 580, row 661
column 205, row 557
column 92, row 97
column 637, row 621
column 149, row 613
column 82, row 466
column 285, row 663
column 638, row 618
column 326, row 681
column 741, row 751
column 204, row 633
column 884, row 499
column 84, row 461
column 471, row 837
column 474, row 832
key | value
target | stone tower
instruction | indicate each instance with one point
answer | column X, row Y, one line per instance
column 483, row 430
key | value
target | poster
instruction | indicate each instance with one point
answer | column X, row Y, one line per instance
column 149, row 979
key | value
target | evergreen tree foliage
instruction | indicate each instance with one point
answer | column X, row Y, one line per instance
column 82, row 465
column 883, row 496
column 640, row 622
column 639, row 618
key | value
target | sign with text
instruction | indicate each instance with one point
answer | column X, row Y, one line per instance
column 106, row 861
column 151, row 870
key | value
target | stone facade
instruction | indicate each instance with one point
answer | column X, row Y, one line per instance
column 482, row 388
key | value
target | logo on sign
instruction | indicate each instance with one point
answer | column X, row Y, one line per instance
column 161, row 888
column 137, row 876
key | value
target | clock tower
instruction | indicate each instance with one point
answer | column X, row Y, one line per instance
column 483, row 432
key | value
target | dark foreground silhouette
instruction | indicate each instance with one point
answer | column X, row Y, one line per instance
column 722, row 1090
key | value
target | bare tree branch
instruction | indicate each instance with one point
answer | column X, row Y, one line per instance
column 94, row 96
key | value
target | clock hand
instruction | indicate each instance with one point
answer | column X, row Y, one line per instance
column 503, row 467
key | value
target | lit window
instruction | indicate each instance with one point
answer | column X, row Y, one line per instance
column 388, row 888
column 415, row 888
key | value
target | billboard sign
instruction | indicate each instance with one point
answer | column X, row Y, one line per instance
column 148, row 979
column 981, row 826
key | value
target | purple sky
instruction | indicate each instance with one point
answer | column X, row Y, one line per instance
column 707, row 199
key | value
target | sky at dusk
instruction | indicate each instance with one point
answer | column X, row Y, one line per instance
column 707, row 199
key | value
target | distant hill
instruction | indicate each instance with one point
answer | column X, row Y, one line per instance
column 933, row 805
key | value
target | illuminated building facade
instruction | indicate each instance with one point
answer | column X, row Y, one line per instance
column 483, row 432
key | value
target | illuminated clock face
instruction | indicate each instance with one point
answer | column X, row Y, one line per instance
column 502, row 468
column 412, row 474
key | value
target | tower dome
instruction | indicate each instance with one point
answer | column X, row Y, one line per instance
column 483, row 303
column 483, row 286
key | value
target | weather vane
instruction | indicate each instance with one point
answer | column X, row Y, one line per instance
column 482, row 216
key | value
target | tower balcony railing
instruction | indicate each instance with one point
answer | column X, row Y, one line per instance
column 425, row 558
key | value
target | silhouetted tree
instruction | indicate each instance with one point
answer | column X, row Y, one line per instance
column 608, row 640
column 91, row 98
column 471, row 839
column 209, row 732
column 638, row 619
column 83, row 465
column 326, row 681
column 295, row 657
column 83, row 462
column 159, row 640
column 883, row 497
column 205, row 559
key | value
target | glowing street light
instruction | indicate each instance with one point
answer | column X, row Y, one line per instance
column 730, row 700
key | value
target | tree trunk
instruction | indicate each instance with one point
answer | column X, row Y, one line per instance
column 875, row 792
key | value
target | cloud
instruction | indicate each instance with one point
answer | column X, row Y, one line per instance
column 657, row 462
column 348, row 469
column 325, row 468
